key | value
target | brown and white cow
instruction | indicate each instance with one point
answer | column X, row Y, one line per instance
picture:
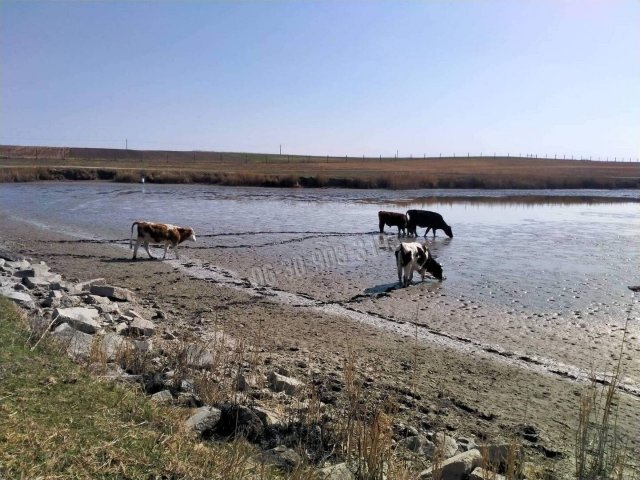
column 413, row 256
column 160, row 234
column 393, row 219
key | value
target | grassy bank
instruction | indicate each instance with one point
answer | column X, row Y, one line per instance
column 21, row 164
column 56, row 421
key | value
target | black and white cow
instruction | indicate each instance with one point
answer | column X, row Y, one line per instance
column 413, row 256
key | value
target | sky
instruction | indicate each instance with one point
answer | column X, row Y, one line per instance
column 545, row 77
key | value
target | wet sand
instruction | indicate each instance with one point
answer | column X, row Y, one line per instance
column 463, row 387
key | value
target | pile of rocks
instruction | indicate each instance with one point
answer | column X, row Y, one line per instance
column 87, row 318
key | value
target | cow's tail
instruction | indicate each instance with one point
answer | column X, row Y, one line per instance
column 131, row 238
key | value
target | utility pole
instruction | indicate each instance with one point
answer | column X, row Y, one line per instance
column 280, row 149
column 126, row 144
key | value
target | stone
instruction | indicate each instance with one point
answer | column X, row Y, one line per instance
column 140, row 327
column 8, row 256
column 239, row 421
column 480, row 473
column 113, row 346
column 163, row 396
column 96, row 300
column 22, row 299
column 114, row 293
column 339, row 471
column 80, row 318
column 497, row 456
column 283, row 457
column 465, row 443
column 198, row 357
column 40, row 281
column 268, row 417
column 448, row 444
column 121, row 328
column 204, row 421
column 77, row 344
column 108, row 308
column 143, row 346
column 280, row 383
column 456, row 467
column 83, row 287
column 36, row 270
column 418, row 444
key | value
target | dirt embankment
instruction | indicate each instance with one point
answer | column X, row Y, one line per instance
column 228, row 168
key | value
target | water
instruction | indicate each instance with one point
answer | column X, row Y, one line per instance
column 540, row 274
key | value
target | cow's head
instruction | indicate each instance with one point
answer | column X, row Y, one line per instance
column 431, row 266
column 447, row 230
column 187, row 234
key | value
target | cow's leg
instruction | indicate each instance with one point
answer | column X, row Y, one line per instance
column 175, row 249
column 166, row 246
column 399, row 265
column 146, row 247
column 381, row 226
column 426, row 231
column 135, row 248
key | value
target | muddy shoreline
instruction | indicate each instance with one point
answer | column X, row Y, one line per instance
column 473, row 393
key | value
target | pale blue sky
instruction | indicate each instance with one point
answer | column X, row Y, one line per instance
column 364, row 77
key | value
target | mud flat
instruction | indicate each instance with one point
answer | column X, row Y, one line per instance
column 464, row 385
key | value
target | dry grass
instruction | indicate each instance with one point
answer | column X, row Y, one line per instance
column 224, row 168
column 56, row 421
column 600, row 450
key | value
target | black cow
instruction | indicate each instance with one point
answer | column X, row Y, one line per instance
column 393, row 219
column 431, row 220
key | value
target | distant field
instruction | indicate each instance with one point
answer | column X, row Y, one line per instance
column 19, row 164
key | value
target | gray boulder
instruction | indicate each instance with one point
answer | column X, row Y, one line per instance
column 418, row 444
column 204, row 421
column 41, row 280
column 283, row 457
column 140, row 327
column 8, row 256
column 339, row 471
column 114, row 293
column 280, row 383
column 163, row 396
column 198, row 356
column 22, row 299
column 77, row 344
column 35, row 270
column 80, row 318
column 239, row 421
column 456, row 467
column 480, row 473
column 448, row 444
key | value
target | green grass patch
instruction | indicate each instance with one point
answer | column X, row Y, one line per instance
column 57, row 421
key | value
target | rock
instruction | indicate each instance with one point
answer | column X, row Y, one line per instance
column 456, row 467
column 114, row 293
column 35, row 270
column 465, row 443
column 239, row 421
column 41, row 280
column 480, row 473
column 204, row 421
column 80, row 318
column 162, row 397
column 10, row 256
column 417, row 443
column 108, row 308
column 82, row 287
column 280, row 383
column 113, row 346
column 143, row 346
column 198, row 356
column 17, row 265
column 96, row 300
column 339, row 471
column 22, row 299
column 140, row 327
column 498, row 456
column 449, row 445
column 268, row 417
column 283, row 457
column 77, row 344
